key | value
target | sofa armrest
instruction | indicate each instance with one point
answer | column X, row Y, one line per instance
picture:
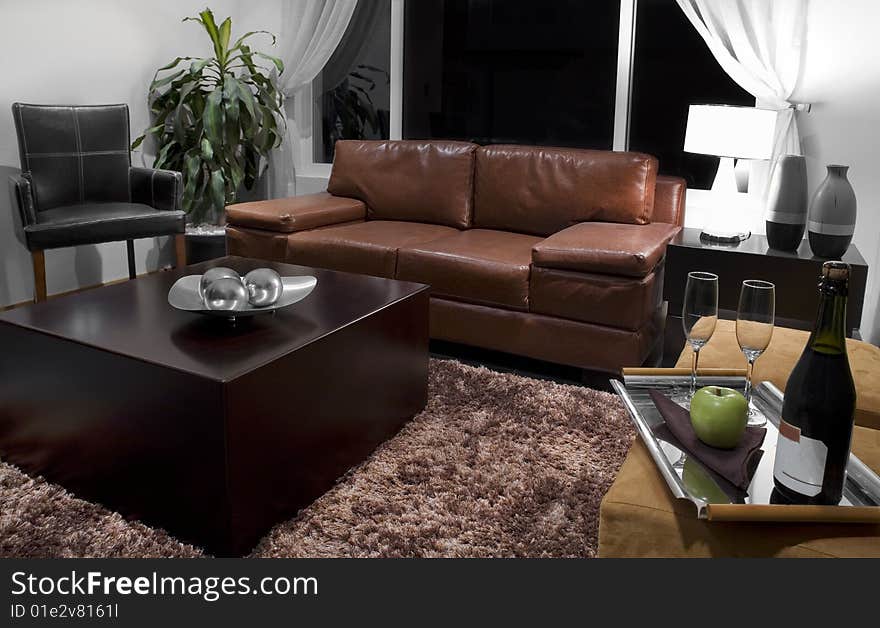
column 606, row 248
column 669, row 200
column 297, row 213
column 160, row 189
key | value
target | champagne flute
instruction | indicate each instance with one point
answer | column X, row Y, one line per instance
column 754, row 329
column 699, row 315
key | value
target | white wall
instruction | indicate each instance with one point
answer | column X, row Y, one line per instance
column 842, row 81
column 92, row 52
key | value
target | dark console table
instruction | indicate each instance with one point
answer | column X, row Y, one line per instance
column 794, row 273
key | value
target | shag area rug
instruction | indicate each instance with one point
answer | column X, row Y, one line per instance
column 496, row 465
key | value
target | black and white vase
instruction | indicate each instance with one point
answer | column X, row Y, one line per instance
column 832, row 219
column 786, row 217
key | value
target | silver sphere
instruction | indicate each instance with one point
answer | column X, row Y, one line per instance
column 263, row 286
column 213, row 274
column 226, row 293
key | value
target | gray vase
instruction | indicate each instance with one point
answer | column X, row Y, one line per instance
column 832, row 219
column 786, row 216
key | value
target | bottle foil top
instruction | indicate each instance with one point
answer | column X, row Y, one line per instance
column 835, row 271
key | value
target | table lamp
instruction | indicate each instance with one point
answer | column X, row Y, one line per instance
column 730, row 132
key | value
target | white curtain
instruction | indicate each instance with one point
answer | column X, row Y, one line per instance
column 759, row 44
column 310, row 32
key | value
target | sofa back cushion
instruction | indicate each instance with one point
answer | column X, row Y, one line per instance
column 418, row 181
column 540, row 190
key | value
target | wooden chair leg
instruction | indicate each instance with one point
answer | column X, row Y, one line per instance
column 39, row 262
column 132, row 272
column 180, row 250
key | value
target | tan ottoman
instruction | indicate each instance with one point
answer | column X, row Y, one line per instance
column 640, row 517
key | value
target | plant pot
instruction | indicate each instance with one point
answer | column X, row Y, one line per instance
column 204, row 242
column 832, row 215
column 786, row 217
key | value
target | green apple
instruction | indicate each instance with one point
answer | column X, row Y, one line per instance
column 719, row 416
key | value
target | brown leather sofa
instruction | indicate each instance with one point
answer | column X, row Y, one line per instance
column 550, row 253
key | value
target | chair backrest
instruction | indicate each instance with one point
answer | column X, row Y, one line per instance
column 74, row 154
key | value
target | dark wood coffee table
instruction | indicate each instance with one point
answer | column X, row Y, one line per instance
column 211, row 430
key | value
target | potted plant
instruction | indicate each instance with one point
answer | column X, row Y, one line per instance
column 215, row 120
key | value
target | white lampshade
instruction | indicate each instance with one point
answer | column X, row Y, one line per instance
column 730, row 131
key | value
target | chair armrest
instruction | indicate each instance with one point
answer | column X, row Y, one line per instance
column 22, row 189
column 160, row 189
column 607, row 248
column 297, row 213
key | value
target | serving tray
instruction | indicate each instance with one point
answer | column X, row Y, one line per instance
column 184, row 295
column 714, row 498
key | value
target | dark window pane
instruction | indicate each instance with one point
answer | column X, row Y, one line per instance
column 673, row 68
column 511, row 71
column 353, row 91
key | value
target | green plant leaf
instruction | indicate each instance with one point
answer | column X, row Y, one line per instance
column 156, row 84
column 153, row 130
column 231, row 111
column 192, row 169
column 236, row 171
column 279, row 65
column 247, row 99
column 197, row 66
column 173, row 63
column 207, row 149
column 218, row 189
column 249, row 34
column 250, row 167
column 162, row 157
column 212, row 116
column 207, row 19
column 223, row 35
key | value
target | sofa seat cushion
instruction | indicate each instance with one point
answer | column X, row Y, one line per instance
column 621, row 302
column 369, row 248
column 297, row 213
column 607, row 248
column 479, row 265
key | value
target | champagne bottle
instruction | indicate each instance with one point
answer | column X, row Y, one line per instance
column 820, row 399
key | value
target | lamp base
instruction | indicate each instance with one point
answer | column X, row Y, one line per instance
column 724, row 237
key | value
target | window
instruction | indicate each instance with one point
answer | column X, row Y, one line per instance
column 599, row 74
column 353, row 91
column 511, row 71
column 673, row 68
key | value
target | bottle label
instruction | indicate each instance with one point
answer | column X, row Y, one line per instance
column 800, row 461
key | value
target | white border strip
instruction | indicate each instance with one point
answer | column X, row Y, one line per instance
column 625, row 50
column 395, row 130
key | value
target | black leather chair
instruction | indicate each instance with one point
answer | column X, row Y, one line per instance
column 77, row 185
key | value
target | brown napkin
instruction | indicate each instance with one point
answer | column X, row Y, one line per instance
column 736, row 465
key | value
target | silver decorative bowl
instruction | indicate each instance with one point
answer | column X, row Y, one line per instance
column 184, row 295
